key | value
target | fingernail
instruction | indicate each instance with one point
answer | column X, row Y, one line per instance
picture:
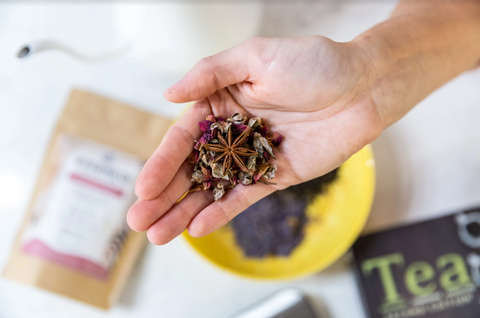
column 174, row 87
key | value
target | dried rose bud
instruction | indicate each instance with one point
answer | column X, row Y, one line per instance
column 275, row 139
column 255, row 122
column 237, row 119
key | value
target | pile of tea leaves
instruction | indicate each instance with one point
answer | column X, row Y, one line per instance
column 275, row 225
column 233, row 151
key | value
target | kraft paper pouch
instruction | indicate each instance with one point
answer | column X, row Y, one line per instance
column 74, row 240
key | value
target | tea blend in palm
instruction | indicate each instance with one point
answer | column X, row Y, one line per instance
column 275, row 225
column 232, row 151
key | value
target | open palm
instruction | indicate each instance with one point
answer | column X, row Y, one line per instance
column 311, row 90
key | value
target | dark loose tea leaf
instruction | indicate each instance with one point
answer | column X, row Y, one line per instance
column 275, row 225
column 230, row 152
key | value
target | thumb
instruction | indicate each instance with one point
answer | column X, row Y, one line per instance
column 211, row 74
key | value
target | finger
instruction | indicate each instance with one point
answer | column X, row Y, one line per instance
column 213, row 73
column 144, row 213
column 172, row 152
column 175, row 221
column 220, row 213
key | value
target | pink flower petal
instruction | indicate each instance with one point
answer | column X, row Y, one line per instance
column 238, row 129
column 262, row 130
column 205, row 125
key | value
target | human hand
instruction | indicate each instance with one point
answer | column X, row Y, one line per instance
column 313, row 91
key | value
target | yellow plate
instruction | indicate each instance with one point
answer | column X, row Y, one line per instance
column 336, row 219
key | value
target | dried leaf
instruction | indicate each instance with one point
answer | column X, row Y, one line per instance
column 213, row 133
column 233, row 181
column 205, row 159
column 197, row 176
column 262, row 169
column 206, row 174
column 252, row 163
column 245, row 178
column 266, row 146
column 198, row 187
column 207, row 185
column 270, row 174
column 255, row 122
column 222, row 126
column 257, row 144
column 218, row 191
column 217, row 171
column 192, row 158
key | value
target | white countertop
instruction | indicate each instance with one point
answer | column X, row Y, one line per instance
column 427, row 164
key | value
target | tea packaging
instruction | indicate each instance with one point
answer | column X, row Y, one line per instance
column 74, row 239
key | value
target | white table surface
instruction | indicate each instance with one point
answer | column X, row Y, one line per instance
column 428, row 164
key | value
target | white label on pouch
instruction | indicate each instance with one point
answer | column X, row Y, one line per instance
column 80, row 220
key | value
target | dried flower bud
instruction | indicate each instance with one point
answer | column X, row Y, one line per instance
column 262, row 169
column 218, row 192
column 261, row 143
column 258, row 125
column 252, row 163
column 275, row 139
column 197, row 176
column 233, row 182
column 266, row 145
column 245, row 178
column 217, row 171
column 207, row 185
column 211, row 118
column 255, row 122
column 205, row 159
column 270, row 174
column 237, row 119
column 257, row 144
column 222, row 126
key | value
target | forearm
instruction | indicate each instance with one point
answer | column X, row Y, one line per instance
column 422, row 46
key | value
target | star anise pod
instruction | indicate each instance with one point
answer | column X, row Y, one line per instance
column 232, row 150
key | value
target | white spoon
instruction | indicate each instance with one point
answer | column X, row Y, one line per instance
column 50, row 45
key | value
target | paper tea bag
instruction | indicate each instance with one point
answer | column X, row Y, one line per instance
column 75, row 240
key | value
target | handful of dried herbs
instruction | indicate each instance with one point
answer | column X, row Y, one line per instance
column 232, row 151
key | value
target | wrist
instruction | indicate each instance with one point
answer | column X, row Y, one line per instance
column 385, row 76
column 416, row 51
